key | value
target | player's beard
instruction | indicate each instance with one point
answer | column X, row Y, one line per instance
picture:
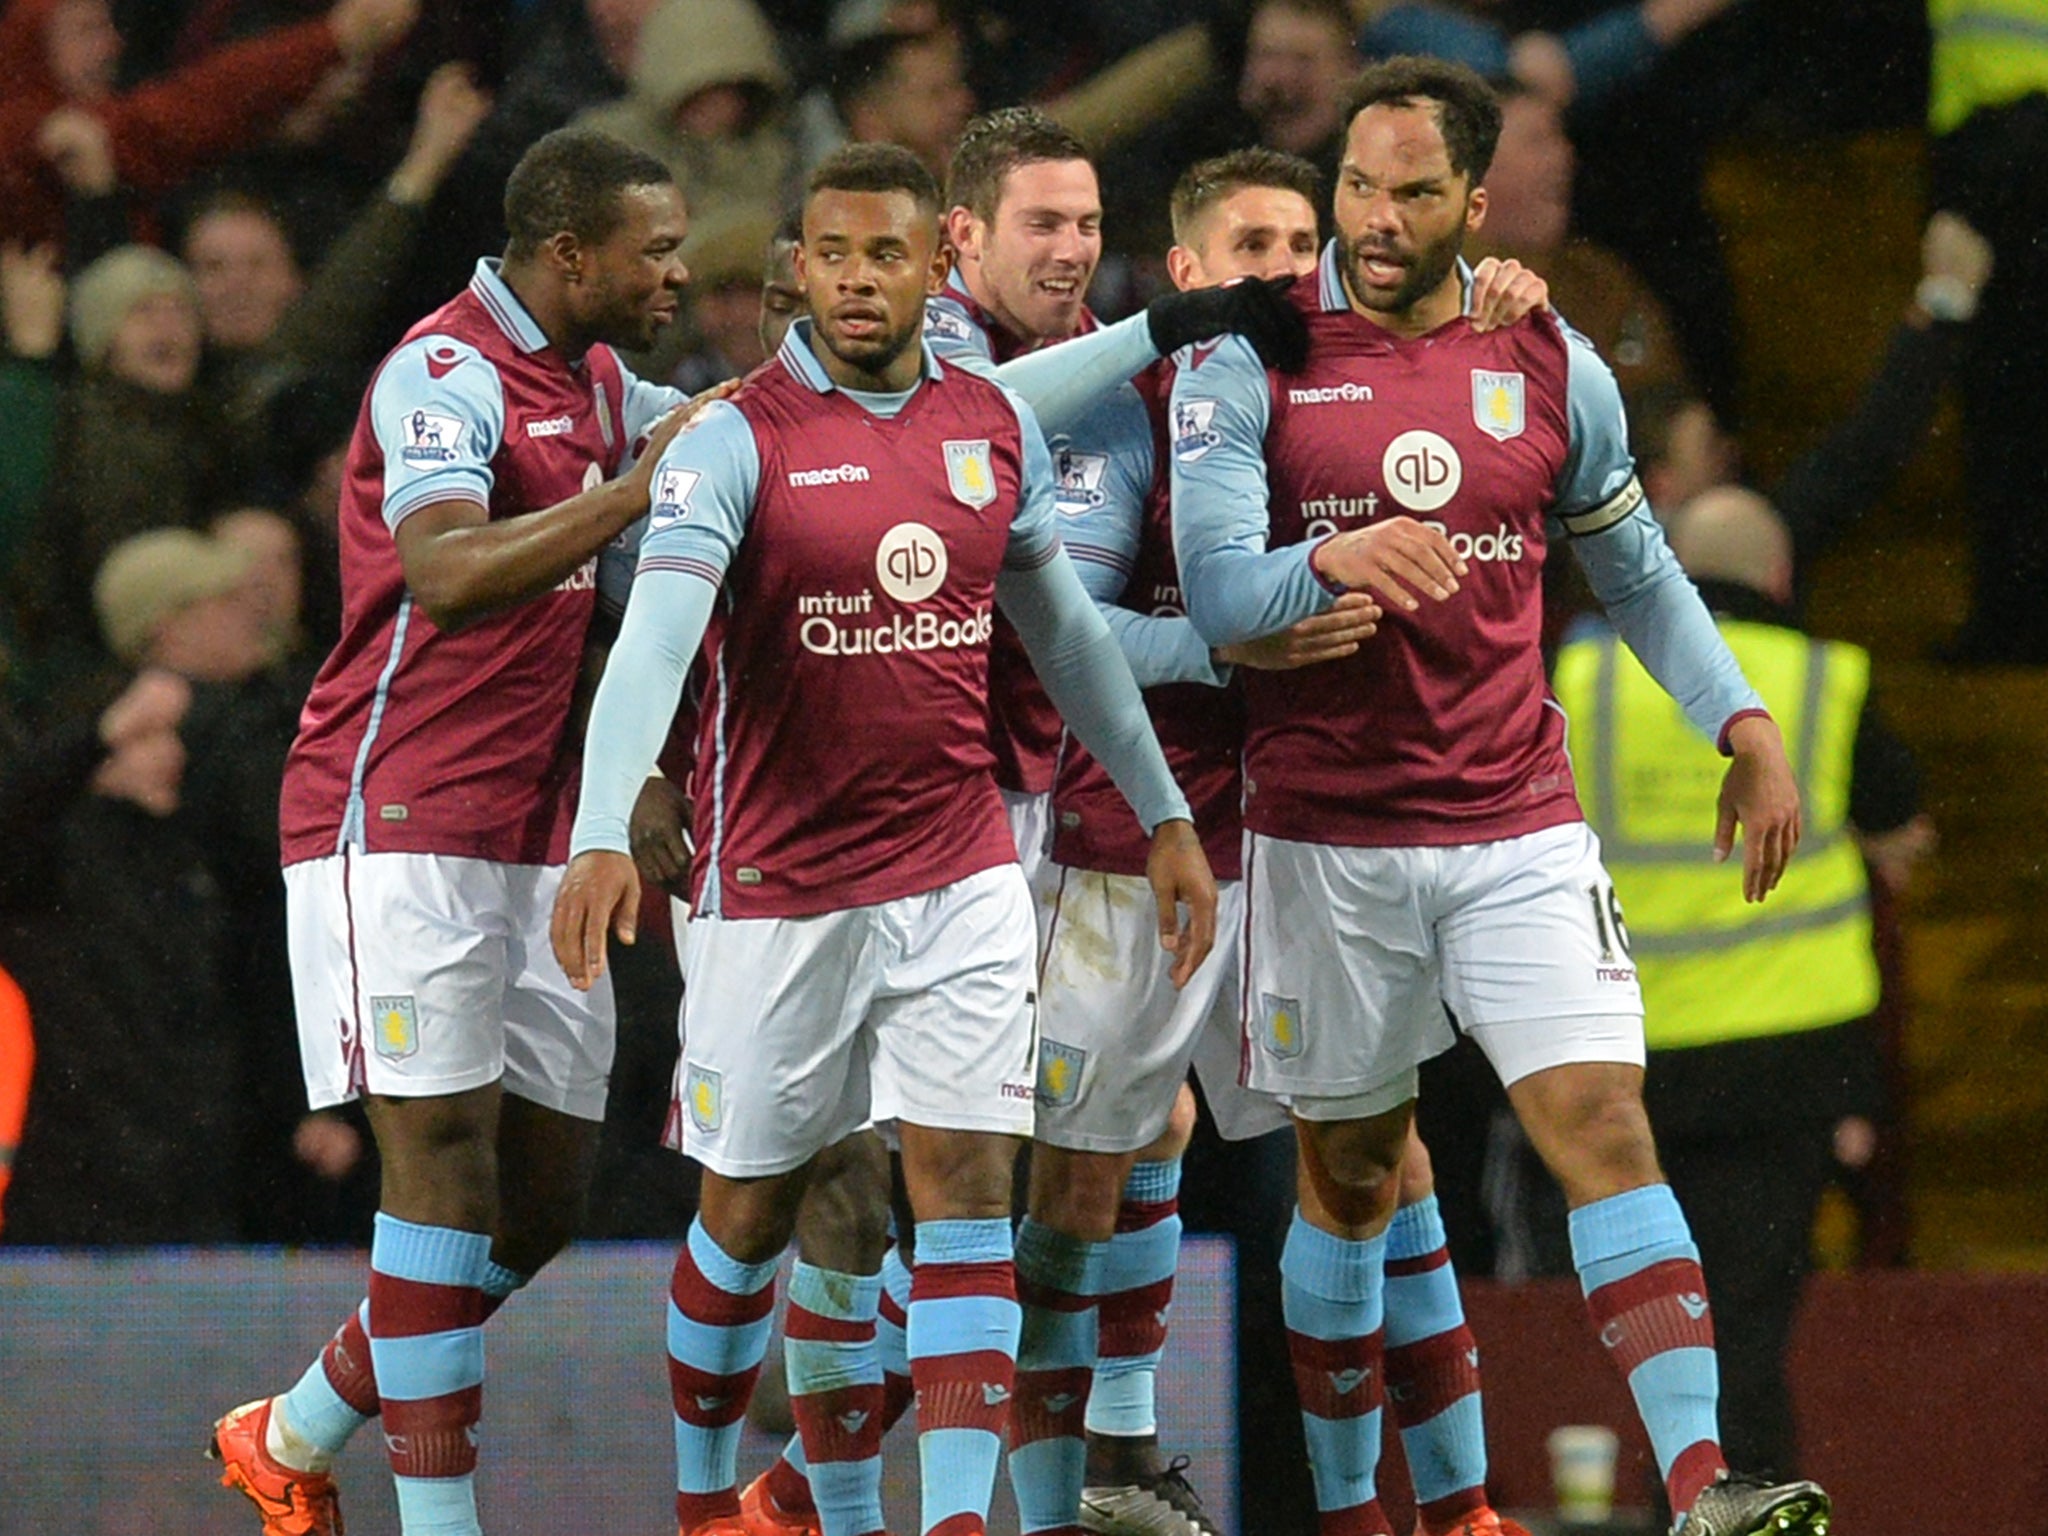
column 1423, row 274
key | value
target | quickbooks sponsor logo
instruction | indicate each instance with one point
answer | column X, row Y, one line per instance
column 1502, row 546
column 1331, row 394
column 837, row 474
column 923, row 631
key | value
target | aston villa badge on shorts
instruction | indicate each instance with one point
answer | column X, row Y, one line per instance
column 1498, row 404
column 704, row 1093
column 394, row 1026
column 1281, row 1029
column 971, row 472
column 1059, row 1073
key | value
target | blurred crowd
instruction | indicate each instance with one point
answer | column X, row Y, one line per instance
column 216, row 215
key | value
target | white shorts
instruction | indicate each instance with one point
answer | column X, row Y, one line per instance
column 1114, row 1038
column 1353, row 954
column 798, row 1031
column 1031, row 828
column 416, row 974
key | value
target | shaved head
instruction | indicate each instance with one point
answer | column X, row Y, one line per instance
column 1731, row 533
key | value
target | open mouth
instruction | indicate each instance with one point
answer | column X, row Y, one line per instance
column 1381, row 270
column 859, row 322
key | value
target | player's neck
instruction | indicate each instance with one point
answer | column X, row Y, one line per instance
column 1019, row 335
column 1440, row 306
column 899, row 374
column 548, row 308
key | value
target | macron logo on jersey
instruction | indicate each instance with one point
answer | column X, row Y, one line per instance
column 430, row 438
column 554, row 426
column 837, row 474
column 1346, row 393
column 442, row 361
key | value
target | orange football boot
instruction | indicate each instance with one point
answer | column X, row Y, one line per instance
column 762, row 1516
column 291, row 1503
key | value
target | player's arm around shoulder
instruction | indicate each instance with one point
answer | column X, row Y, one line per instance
column 460, row 565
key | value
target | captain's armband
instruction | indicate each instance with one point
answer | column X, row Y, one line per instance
column 1598, row 519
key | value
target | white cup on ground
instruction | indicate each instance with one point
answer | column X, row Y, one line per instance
column 1582, row 1458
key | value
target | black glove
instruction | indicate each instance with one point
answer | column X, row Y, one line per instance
column 1256, row 308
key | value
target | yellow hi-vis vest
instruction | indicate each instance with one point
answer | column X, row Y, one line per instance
column 1714, row 967
column 1986, row 53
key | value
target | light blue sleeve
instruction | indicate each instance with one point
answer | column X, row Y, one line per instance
column 1237, row 589
column 953, row 334
column 1653, row 603
column 1084, row 674
column 1063, row 383
column 702, row 502
column 1034, row 532
column 645, row 404
column 702, row 496
column 1105, row 477
column 636, row 701
column 438, row 410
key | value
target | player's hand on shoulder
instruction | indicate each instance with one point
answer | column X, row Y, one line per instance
column 674, row 424
column 1760, row 794
column 1390, row 557
column 1330, row 636
column 1180, row 876
column 600, row 891
column 659, row 832
column 1504, row 291
column 1256, row 308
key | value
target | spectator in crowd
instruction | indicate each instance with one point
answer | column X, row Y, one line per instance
column 1298, row 64
column 706, row 98
column 302, row 442
column 562, row 59
column 136, row 445
column 1583, row 64
column 276, row 579
column 724, row 335
column 111, row 921
column 136, row 441
column 1763, row 1077
column 1988, row 110
column 1682, row 450
column 266, row 322
column 895, row 85
column 1528, row 216
column 60, row 61
column 182, row 601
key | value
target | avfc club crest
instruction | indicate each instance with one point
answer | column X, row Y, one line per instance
column 1059, row 1073
column 1282, row 1031
column 1079, row 477
column 971, row 472
column 704, row 1098
column 395, row 1026
column 1498, row 404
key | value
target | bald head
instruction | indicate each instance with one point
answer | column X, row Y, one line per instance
column 1733, row 534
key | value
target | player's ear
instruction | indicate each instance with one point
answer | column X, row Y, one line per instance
column 959, row 230
column 1475, row 209
column 941, row 268
column 1183, row 268
column 564, row 252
